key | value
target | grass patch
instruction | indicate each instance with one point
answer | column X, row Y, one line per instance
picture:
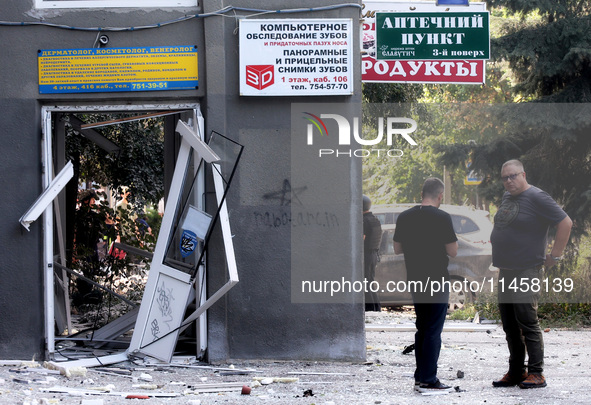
column 487, row 307
column 465, row 313
column 565, row 315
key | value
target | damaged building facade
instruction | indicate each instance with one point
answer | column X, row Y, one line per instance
column 292, row 210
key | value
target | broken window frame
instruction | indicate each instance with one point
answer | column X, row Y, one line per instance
column 48, row 214
column 55, row 186
column 165, row 305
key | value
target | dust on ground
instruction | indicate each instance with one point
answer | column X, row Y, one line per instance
column 468, row 361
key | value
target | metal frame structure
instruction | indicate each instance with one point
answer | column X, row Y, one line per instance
column 48, row 214
column 163, row 280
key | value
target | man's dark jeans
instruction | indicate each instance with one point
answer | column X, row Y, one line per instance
column 430, row 319
column 519, row 314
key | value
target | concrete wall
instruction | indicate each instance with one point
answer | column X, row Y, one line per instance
column 258, row 318
column 21, row 285
column 21, row 259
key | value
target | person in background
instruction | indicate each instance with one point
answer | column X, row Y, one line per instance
column 519, row 250
column 88, row 227
column 372, row 237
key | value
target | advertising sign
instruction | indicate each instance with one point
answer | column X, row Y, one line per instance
column 429, row 71
column 472, row 178
column 296, row 57
column 406, row 71
column 449, row 35
column 117, row 69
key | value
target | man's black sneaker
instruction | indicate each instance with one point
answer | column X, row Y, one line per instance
column 437, row 386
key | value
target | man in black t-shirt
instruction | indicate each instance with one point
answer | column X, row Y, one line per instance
column 372, row 237
column 426, row 236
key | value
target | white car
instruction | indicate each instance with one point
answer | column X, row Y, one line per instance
column 471, row 268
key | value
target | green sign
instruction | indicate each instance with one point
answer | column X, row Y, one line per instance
column 432, row 36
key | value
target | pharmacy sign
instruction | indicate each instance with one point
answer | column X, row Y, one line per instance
column 432, row 36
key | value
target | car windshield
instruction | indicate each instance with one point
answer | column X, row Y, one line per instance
column 387, row 246
column 387, row 217
column 461, row 223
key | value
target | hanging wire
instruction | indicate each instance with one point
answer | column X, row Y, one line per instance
column 96, row 40
column 219, row 13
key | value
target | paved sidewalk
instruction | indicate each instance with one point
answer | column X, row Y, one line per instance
column 386, row 377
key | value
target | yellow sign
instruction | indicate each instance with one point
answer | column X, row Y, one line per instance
column 117, row 69
column 472, row 178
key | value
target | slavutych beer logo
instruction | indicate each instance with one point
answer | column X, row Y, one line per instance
column 188, row 243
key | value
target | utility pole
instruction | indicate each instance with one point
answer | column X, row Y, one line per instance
column 447, row 183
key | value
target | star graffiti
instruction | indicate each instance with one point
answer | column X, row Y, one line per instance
column 287, row 195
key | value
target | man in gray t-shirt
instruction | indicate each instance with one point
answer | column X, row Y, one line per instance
column 519, row 243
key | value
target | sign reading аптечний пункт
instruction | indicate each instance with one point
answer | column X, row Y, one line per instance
column 117, row 69
column 432, row 35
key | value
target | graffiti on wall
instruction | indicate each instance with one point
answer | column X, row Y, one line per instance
column 163, row 302
column 296, row 219
column 288, row 197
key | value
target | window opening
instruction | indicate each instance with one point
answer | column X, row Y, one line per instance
column 188, row 165
column 73, row 117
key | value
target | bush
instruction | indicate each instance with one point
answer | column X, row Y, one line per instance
column 467, row 312
column 487, row 307
column 565, row 315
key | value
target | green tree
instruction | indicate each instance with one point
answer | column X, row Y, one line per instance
column 385, row 180
column 137, row 167
column 547, row 46
column 451, row 119
column 392, row 93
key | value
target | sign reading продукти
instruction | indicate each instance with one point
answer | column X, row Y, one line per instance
column 296, row 57
column 117, row 69
column 432, row 35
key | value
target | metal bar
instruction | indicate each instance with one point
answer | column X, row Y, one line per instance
column 63, row 282
column 229, row 249
column 133, row 250
column 94, row 136
column 59, row 266
column 129, row 119
column 48, row 235
column 60, row 160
